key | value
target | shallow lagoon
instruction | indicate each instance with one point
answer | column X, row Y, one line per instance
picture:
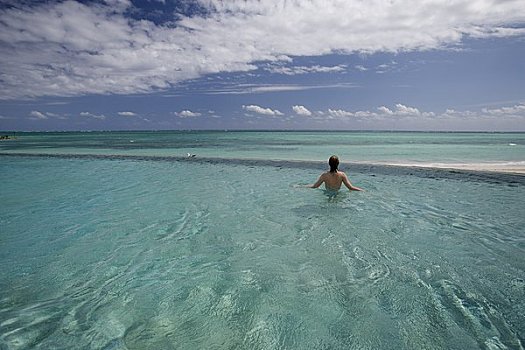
column 474, row 151
column 133, row 254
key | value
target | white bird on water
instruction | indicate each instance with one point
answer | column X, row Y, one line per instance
column 191, row 155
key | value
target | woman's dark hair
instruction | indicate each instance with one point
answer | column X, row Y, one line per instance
column 334, row 163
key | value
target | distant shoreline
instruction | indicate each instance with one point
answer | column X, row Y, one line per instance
column 466, row 168
column 478, row 167
column 263, row 130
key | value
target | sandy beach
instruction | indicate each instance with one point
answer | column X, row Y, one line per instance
column 489, row 167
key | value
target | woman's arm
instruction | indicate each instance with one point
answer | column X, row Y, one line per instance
column 318, row 182
column 349, row 185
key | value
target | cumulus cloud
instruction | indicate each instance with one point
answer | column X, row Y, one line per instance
column 69, row 48
column 94, row 116
column 405, row 110
column 302, row 110
column 127, row 114
column 385, row 110
column 37, row 115
column 386, row 67
column 382, row 112
column 339, row 113
column 262, row 110
column 401, row 111
column 518, row 110
column 187, row 114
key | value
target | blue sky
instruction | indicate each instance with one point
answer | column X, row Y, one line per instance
column 245, row 64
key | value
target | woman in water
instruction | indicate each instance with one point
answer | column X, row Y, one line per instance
column 334, row 178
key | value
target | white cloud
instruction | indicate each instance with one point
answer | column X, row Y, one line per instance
column 37, row 115
column 262, row 110
column 339, row 113
column 361, row 68
column 344, row 114
column 94, row 116
column 404, row 110
column 274, row 88
column 304, row 70
column 453, row 114
column 386, row 67
column 70, row 48
column 127, row 114
column 514, row 110
column 365, row 114
column 268, row 88
column 302, row 110
column 57, row 103
column 483, row 32
column 188, row 114
column 385, row 110
column 55, row 115
column 400, row 111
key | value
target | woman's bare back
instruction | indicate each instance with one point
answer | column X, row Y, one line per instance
column 333, row 181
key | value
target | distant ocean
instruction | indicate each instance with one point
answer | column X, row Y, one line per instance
column 201, row 240
column 474, row 151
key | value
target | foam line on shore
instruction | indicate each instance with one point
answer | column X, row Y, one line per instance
column 492, row 176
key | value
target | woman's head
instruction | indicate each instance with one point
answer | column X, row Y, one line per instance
column 334, row 163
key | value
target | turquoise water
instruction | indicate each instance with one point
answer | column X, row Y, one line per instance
column 154, row 252
column 493, row 150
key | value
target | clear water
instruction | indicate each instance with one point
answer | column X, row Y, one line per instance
column 156, row 253
column 497, row 150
